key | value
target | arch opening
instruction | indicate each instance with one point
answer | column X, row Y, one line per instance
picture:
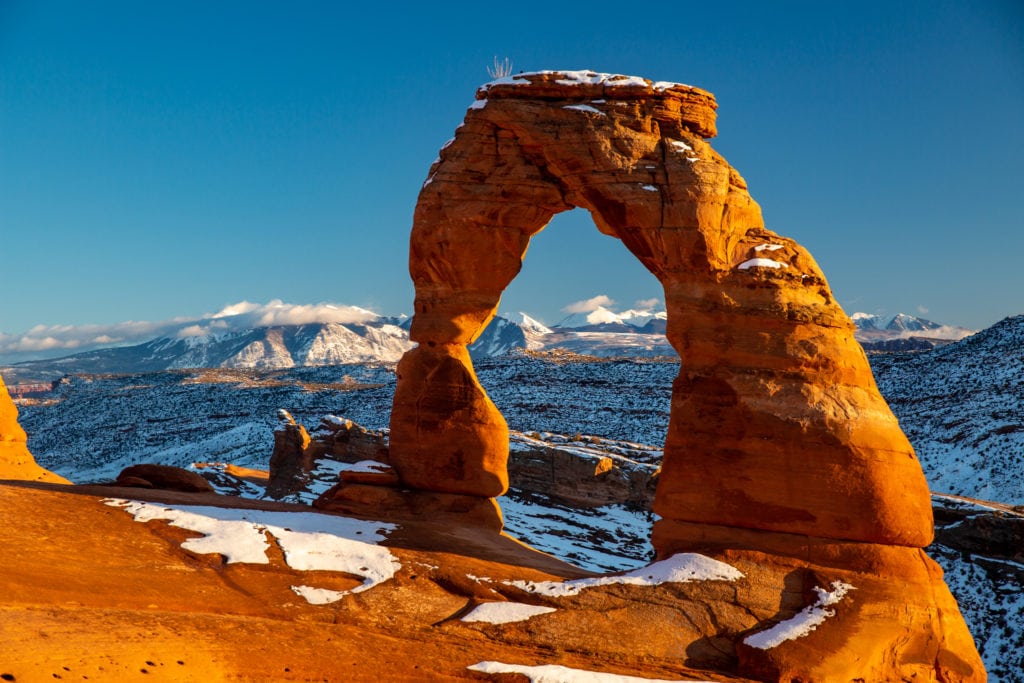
column 570, row 262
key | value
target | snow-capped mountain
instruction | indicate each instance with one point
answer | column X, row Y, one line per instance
column 599, row 332
column 598, row 320
column 903, row 332
column 641, row 319
column 380, row 340
column 530, row 324
column 901, row 322
column 601, row 319
column 267, row 348
column 507, row 333
column 499, row 338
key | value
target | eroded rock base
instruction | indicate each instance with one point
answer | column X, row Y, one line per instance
column 893, row 618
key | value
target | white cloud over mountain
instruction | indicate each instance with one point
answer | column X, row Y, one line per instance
column 51, row 340
column 588, row 305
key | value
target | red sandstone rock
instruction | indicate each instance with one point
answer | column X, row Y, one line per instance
column 290, row 463
column 376, row 475
column 119, row 594
column 898, row 621
column 374, row 498
column 580, row 476
column 16, row 462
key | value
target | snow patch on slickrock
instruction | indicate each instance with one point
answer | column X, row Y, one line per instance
column 309, row 541
column 555, row 673
column 584, row 107
column 318, row 596
column 803, row 623
column 680, row 568
column 505, row 612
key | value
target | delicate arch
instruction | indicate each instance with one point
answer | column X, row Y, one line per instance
column 776, row 423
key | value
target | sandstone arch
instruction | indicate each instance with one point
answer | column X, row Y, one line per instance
column 776, row 422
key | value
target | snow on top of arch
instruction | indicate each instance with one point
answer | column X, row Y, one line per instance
column 587, row 77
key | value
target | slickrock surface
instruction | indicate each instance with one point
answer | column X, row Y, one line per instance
column 16, row 462
column 91, row 592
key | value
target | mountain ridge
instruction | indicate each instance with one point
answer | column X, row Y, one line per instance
column 380, row 339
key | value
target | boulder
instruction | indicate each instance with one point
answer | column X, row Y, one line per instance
column 165, row 477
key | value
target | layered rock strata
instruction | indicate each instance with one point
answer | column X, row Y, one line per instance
column 16, row 462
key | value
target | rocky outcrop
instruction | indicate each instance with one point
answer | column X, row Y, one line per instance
column 290, row 463
column 990, row 530
column 580, row 474
column 297, row 454
column 16, row 462
column 347, row 441
column 87, row 571
column 780, row 448
column 580, row 471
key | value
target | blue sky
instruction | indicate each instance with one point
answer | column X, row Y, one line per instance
column 164, row 159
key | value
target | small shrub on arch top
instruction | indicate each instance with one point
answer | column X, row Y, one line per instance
column 500, row 69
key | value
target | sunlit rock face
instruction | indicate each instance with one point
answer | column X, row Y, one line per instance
column 780, row 452
column 16, row 462
column 776, row 421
